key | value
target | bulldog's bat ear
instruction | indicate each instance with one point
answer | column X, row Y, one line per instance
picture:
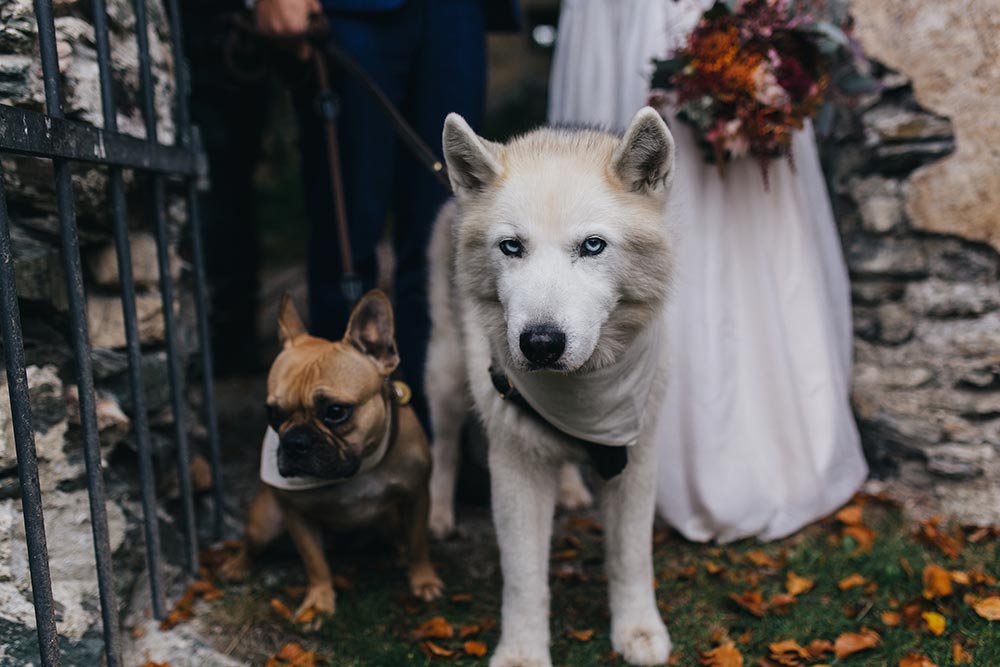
column 473, row 162
column 372, row 330
column 644, row 160
column 290, row 326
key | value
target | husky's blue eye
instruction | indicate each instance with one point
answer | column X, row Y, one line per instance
column 511, row 247
column 593, row 245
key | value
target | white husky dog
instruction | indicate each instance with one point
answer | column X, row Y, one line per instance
column 549, row 275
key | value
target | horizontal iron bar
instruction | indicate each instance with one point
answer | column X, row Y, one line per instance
column 27, row 132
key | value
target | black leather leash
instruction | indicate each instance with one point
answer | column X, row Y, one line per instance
column 607, row 461
column 246, row 42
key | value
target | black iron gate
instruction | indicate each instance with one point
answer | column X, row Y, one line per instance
column 63, row 141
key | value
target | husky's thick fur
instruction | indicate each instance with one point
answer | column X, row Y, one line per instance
column 553, row 258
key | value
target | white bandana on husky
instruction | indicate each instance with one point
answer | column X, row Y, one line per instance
column 270, row 475
column 606, row 406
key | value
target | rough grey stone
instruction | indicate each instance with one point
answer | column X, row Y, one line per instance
column 952, row 260
column 938, row 298
column 107, row 321
column 103, row 263
column 879, row 203
column 887, row 257
column 893, row 377
column 986, row 378
column 896, row 323
column 895, row 124
column 905, row 158
column 872, row 293
column 959, row 461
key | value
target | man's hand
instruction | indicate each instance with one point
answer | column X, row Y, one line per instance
column 286, row 17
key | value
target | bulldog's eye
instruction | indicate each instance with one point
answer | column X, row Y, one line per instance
column 593, row 245
column 337, row 413
column 275, row 416
column 511, row 247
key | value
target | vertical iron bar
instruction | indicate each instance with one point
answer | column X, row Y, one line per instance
column 80, row 342
column 24, row 443
column 188, row 139
column 116, row 197
column 167, row 292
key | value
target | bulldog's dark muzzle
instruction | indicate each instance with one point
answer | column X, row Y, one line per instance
column 305, row 451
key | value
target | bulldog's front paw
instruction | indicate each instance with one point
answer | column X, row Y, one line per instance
column 643, row 643
column 442, row 520
column 509, row 654
column 320, row 602
column 425, row 584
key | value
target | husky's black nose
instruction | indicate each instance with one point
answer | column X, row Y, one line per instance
column 542, row 344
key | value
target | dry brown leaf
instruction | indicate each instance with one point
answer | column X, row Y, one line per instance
column 850, row 643
column 581, row 635
column 565, row 554
column 951, row 545
column 862, row 535
column 432, row 650
column 306, row 616
column 585, row 524
column 724, row 655
column 961, row 578
column 852, row 581
column 988, row 608
column 461, row 598
column 433, row 628
column 916, row 660
column 934, row 622
column 850, row 515
column 788, row 653
column 150, row 663
column 937, row 582
column 281, row 609
column 290, row 651
column 138, row 632
column 468, row 631
column 714, row 568
column 780, row 603
column 959, row 655
column 891, row 619
column 752, row 601
column 761, row 559
column 477, row 649
column 819, row 647
column 796, row 585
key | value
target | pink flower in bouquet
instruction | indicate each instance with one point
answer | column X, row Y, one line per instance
column 728, row 135
column 768, row 90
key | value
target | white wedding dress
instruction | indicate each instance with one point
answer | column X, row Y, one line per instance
column 756, row 434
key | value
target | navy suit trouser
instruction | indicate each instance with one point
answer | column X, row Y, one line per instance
column 428, row 56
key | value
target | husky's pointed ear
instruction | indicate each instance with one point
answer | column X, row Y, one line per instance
column 644, row 160
column 472, row 160
column 372, row 330
column 290, row 326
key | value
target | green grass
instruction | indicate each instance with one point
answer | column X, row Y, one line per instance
column 375, row 617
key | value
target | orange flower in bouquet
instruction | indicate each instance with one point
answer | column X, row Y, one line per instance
column 751, row 74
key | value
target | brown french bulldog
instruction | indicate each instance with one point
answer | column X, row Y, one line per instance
column 342, row 452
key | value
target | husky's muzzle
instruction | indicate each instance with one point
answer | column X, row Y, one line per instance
column 542, row 345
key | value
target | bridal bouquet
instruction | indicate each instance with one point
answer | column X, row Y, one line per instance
column 752, row 72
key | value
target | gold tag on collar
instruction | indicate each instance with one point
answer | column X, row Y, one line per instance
column 403, row 392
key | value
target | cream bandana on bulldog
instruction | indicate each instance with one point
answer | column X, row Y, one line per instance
column 270, row 475
column 604, row 407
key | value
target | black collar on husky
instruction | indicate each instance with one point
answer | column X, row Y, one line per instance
column 607, row 461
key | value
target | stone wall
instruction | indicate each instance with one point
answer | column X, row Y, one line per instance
column 40, row 283
column 913, row 174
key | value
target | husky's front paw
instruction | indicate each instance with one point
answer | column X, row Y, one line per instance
column 442, row 520
column 573, row 492
column 510, row 655
column 644, row 643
